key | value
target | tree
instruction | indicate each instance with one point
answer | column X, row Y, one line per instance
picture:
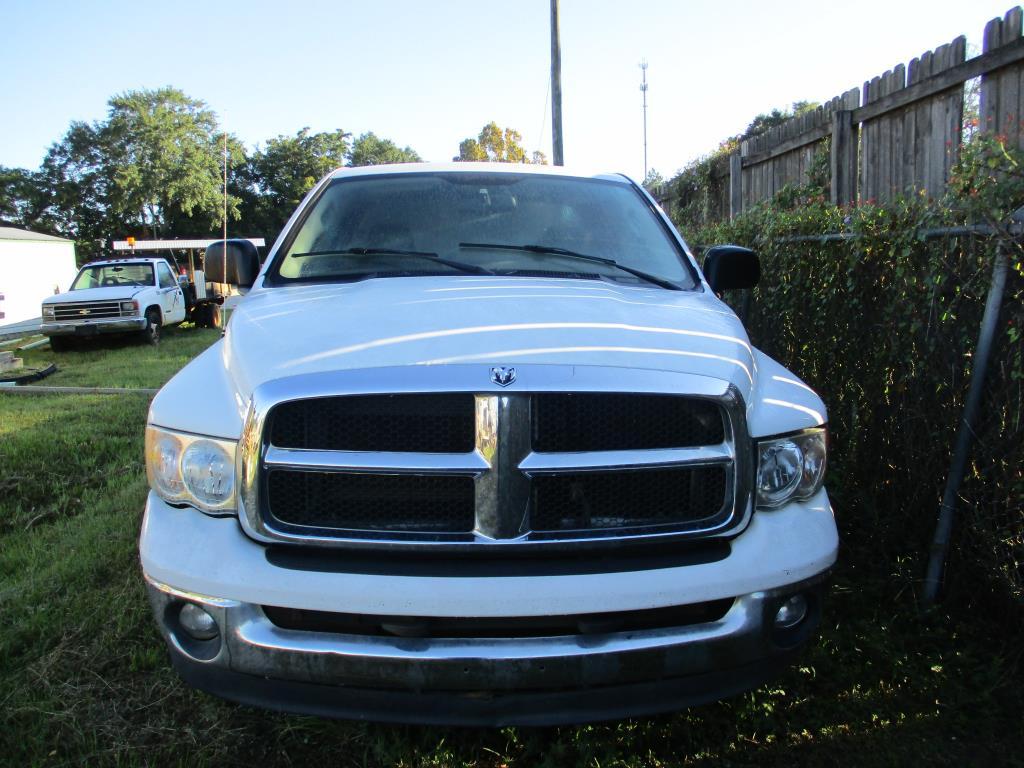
column 471, row 151
column 369, row 149
column 496, row 145
column 653, row 180
column 768, row 120
column 152, row 168
column 280, row 175
column 76, row 178
column 164, row 156
column 23, row 199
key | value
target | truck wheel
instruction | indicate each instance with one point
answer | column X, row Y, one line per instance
column 151, row 333
column 216, row 316
column 200, row 316
column 60, row 343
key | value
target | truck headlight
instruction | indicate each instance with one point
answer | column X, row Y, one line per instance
column 191, row 469
column 48, row 312
column 790, row 467
column 129, row 307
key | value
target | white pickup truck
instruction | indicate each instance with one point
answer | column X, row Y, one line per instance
column 482, row 445
column 115, row 296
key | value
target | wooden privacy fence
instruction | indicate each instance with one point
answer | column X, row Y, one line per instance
column 900, row 134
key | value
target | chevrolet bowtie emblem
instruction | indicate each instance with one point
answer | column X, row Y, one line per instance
column 83, row 311
column 503, row 376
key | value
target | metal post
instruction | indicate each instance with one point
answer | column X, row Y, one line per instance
column 556, row 88
column 643, row 88
column 225, row 185
column 224, row 250
column 965, row 432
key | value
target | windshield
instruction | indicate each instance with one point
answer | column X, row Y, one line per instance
column 498, row 223
column 112, row 275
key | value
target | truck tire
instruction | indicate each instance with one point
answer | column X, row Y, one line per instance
column 216, row 316
column 61, row 343
column 151, row 333
column 201, row 315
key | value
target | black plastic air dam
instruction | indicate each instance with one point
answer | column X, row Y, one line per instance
column 530, row 708
column 512, row 563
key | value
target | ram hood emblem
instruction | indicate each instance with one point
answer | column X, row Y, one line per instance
column 503, row 376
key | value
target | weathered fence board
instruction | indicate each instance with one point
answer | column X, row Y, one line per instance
column 910, row 149
column 904, row 138
column 1002, row 89
column 785, row 154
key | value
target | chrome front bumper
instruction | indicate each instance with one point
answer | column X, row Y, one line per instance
column 104, row 325
column 483, row 681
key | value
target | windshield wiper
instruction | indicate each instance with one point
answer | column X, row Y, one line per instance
column 531, row 248
column 460, row 265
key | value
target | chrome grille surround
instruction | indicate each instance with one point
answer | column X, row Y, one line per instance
column 501, row 464
column 91, row 310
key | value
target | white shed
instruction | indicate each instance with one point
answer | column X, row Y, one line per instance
column 32, row 267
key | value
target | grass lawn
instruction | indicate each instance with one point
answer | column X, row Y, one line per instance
column 84, row 677
column 119, row 361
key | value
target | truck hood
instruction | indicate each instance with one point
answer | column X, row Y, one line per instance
column 112, row 293
column 502, row 321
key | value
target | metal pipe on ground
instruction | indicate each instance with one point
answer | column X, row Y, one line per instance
column 11, row 388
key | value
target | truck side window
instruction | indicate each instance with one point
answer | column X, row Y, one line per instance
column 166, row 278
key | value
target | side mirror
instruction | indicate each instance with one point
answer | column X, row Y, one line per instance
column 728, row 267
column 234, row 262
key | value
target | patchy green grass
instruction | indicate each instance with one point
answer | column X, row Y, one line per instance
column 119, row 361
column 84, row 678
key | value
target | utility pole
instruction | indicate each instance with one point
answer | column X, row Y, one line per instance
column 224, row 250
column 556, row 88
column 225, row 189
column 643, row 88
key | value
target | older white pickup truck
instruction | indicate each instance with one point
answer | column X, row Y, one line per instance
column 115, row 296
column 482, row 445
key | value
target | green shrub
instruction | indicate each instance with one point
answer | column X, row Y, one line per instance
column 883, row 323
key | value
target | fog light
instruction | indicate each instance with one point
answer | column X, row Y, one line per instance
column 791, row 613
column 197, row 622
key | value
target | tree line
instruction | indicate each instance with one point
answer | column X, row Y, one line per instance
column 154, row 168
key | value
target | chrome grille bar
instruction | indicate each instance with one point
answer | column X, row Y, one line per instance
column 392, row 463
column 600, row 461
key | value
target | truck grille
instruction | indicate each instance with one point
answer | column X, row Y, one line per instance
column 520, row 469
column 372, row 503
column 613, row 421
column 441, row 423
column 89, row 310
column 625, row 500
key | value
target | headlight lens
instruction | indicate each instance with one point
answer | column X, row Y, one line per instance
column 790, row 467
column 48, row 311
column 191, row 469
column 163, row 465
column 129, row 307
column 209, row 472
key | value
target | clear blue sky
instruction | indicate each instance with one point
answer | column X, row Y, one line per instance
column 429, row 74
